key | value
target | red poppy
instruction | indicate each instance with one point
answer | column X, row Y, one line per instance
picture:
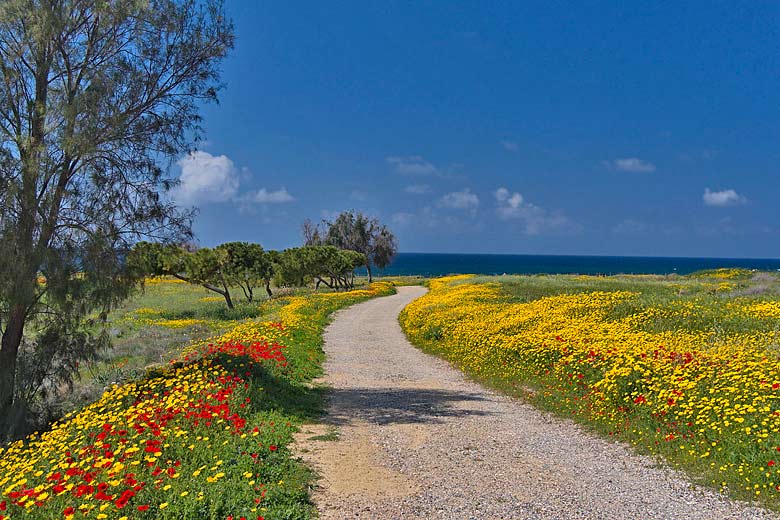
column 124, row 498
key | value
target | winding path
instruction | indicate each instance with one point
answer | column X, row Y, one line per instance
column 416, row 439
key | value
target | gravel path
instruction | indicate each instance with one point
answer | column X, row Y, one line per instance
column 418, row 440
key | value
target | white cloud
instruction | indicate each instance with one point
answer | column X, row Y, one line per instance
column 418, row 189
column 722, row 198
column 631, row 164
column 509, row 201
column 460, row 200
column 206, row 178
column 264, row 196
column 512, row 206
column 401, row 219
column 510, row 146
column 412, row 165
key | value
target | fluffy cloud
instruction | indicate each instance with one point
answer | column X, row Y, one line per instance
column 401, row 219
column 264, row 196
column 512, row 206
column 412, row 165
column 418, row 189
column 207, row 178
column 460, row 200
column 508, row 202
column 631, row 164
column 722, row 198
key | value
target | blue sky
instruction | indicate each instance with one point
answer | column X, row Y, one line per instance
column 617, row 128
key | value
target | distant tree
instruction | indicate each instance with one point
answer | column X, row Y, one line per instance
column 94, row 96
column 355, row 231
column 312, row 236
column 209, row 268
column 337, row 265
column 321, row 265
column 248, row 266
column 292, row 267
column 205, row 267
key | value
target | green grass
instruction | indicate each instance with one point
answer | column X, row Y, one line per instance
column 278, row 399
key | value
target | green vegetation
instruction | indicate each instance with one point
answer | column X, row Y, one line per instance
column 685, row 367
column 252, row 375
column 354, row 231
column 325, row 265
column 97, row 98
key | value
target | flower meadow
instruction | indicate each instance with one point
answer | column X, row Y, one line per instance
column 692, row 377
column 204, row 436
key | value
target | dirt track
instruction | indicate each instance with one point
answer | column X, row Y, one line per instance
column 418, row 440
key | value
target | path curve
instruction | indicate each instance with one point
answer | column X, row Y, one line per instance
column 418, row 440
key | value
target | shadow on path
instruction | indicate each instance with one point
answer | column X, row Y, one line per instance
column 399, row 406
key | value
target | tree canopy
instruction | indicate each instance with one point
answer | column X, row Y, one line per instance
column 326, row 265
column 248, row 267
column 96, row 99
column 355, row 231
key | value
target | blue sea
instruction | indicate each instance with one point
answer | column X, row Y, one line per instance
column 434, row 264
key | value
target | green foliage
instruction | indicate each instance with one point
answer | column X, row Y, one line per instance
column 207, row 267
column 247, row 266
column 326, row 265
column 354, row 231
column 96, row 96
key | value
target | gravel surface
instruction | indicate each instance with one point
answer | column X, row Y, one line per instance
column 419, row 440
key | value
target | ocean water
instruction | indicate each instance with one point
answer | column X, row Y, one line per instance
column 434, row 264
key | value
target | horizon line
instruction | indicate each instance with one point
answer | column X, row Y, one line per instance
column 591, row 255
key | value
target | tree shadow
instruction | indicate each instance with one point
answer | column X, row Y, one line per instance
column 400, row 405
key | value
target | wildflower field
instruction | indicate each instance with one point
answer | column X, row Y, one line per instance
column 685, row 367
column 203, row 435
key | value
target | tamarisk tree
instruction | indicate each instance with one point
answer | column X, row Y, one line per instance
column 96, row 98
column 354, row 231
column 206, row 267
column 324, row 265
column 233, row 264
column 248, row 267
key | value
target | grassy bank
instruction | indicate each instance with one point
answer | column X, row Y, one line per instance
column 200, row 427
column 682, row 367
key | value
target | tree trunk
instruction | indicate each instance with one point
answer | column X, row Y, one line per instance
column 223, row 292
column 9, row 350
column 368, row 268
column 226, row 294
column 320, row 280
column 268, row 288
